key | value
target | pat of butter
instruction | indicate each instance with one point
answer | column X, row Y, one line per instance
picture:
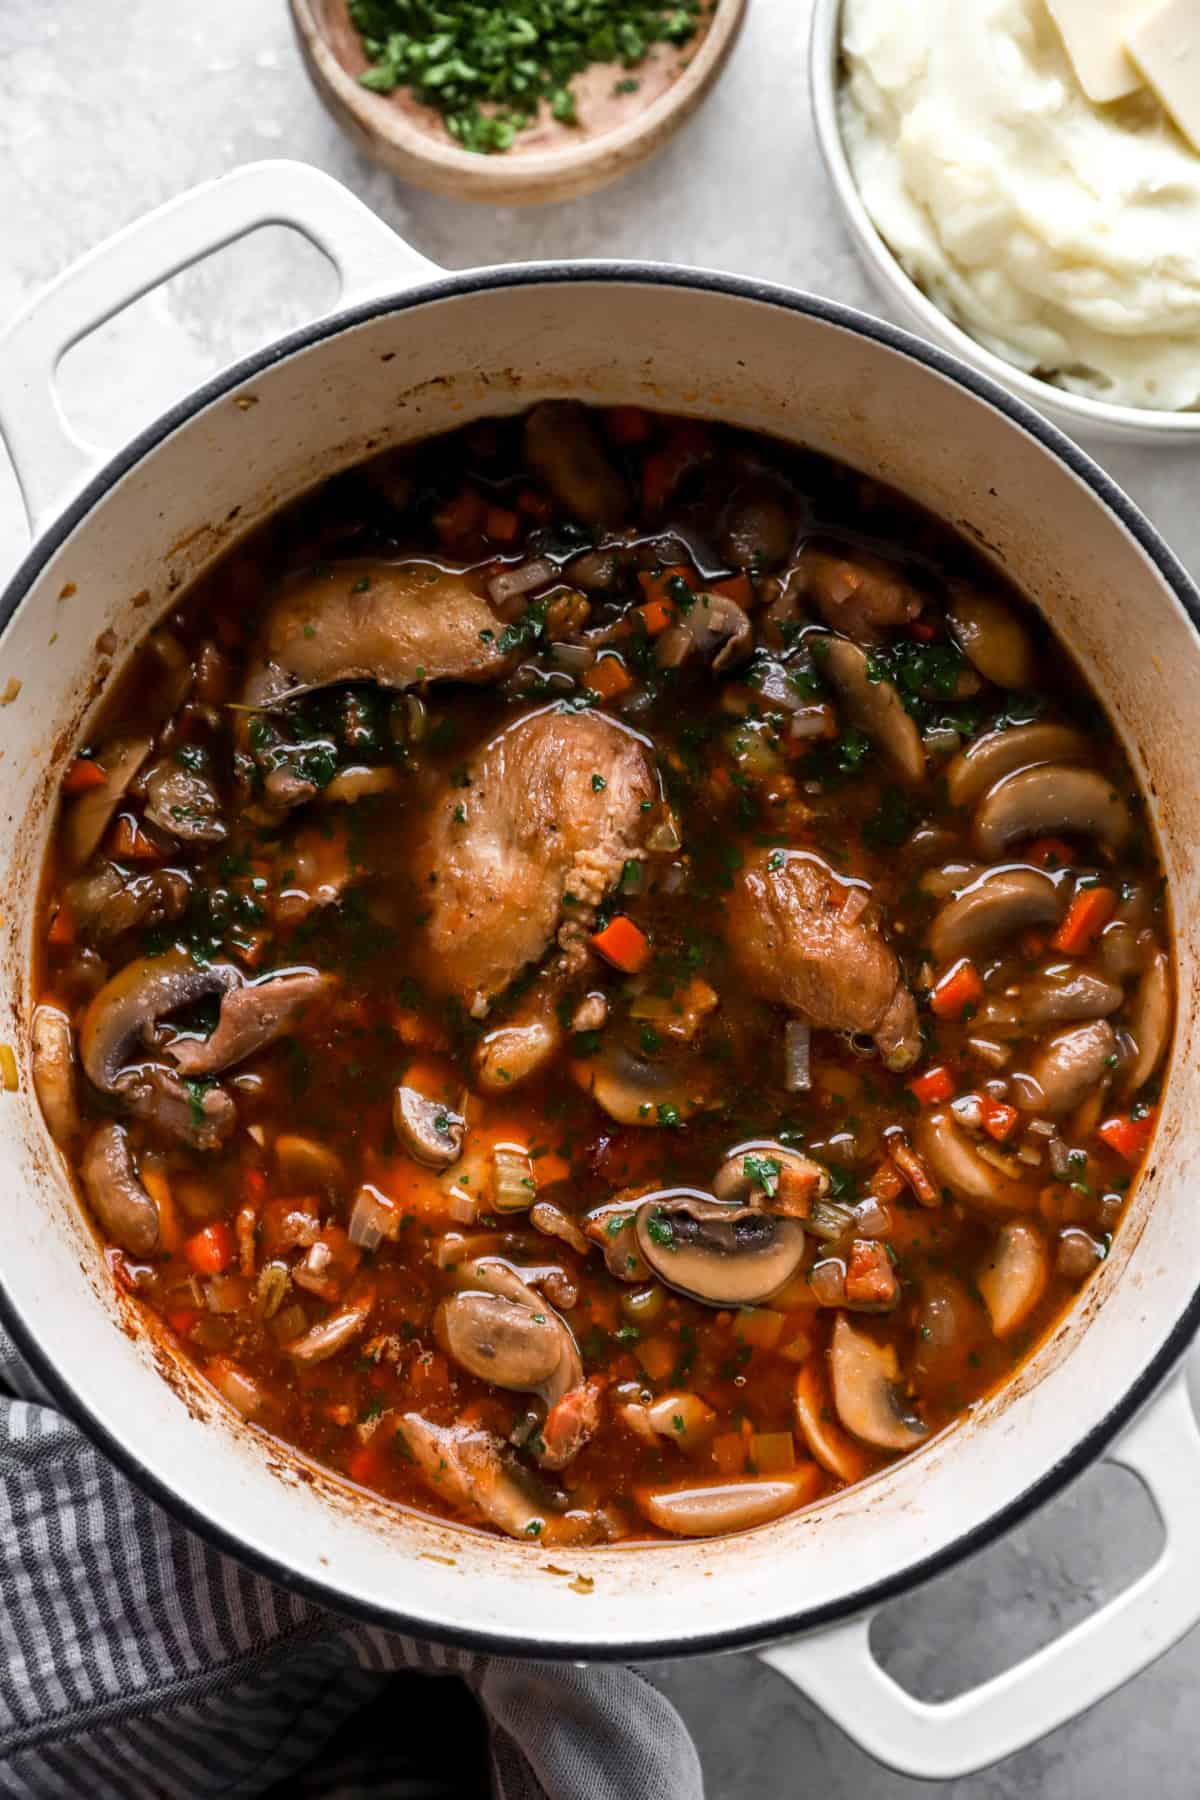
column 1095, row 34
column 1166, row 47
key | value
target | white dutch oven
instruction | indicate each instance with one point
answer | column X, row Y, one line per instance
column 412, row 352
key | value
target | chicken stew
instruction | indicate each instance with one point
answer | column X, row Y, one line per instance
column 602, row 977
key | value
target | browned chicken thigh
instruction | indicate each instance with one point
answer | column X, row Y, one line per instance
column 522, row 851
column 804, row 937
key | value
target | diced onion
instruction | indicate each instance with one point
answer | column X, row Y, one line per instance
column 632, row 876
column 462, row 1207
column 575, row 658
column 665, row 835
column 797, row 1059
column 872, row 1218
column 514, row 1187
column 514, row 584
column 828, row 1282
column 968, row 1110
column 227, row 1293
column 831, row 1218
column 372, row 1218
column 272, row 1284
column 771, row 1451
column 1060, row 1157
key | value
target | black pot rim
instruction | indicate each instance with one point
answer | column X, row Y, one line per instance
column 892, row 337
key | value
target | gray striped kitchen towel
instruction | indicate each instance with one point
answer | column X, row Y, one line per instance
column 138, row 1663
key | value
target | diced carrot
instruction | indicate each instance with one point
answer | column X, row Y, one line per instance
column 999, row 1120
column 1048, row 853
column 735, row 587
column 1032, row 944
column 688, row 446
column 254, row 1185
column 1087, row 915
column 462, row 517
column 181, row 1322
column 129, row 843
column 923, row 633
column 534, row 505
column 62, row 930
column 1128, row 1136
column 658, row 1357
column 729, row 1452
column 870, row 1277
column 501, row 525
column 609, row 677
column 959, row 988
column 934, row 1086
column 625, row 425
column 363, row 1465
column 210, row 1250
column 623, row 944
column 759, row 1327
column 656, row 615
column 415, row 1029
column 84, row 773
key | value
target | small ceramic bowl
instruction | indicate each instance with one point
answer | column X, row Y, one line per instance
column 1092, row 420
column 549, row 161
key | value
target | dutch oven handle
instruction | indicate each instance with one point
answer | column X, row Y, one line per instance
column 50, row 461
column 838, row 1671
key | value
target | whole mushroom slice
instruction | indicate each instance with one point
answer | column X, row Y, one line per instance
column 1015, row 1276
column 875, row 707
column 562, row 448
column 499, row 1340
column 989, row 632
column 87, row 818
column 499, row 1280
column 714, row 626
column 716, row 1507
column 1149, row 1023
column 1051, row 798
column 985, row 762
column 959, row 1168
column 864, row 1374
column 184, row 803
column 997, row 906
column 634, row 1091
column 767, row 1175
column 719, row 1254
column 614, row 1227
column 194, row 1114
column 54, row 1072
column 1069, row 1064
column 246, row 1395
column 1047, row 1000
column 123, row 1017
column 254, row 1016
column 432, row 1134
column 832, row 1447
column 115, row 1194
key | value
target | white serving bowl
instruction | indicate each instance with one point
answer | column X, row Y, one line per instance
column 1094, row 421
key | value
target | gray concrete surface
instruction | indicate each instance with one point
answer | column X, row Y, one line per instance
column 110, row 106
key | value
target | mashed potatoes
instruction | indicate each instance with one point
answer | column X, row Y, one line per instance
column 1062, row 235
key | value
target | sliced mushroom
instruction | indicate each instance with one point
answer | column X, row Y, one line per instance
column 325, row 1339
column 1015, row 1276
column 194, row 1114
column 833, row 1448
column 874, row 707
column 1052, row 797
column 634, row 1091
column 107, row 903
column 432, row 1134
column 234, row 1384
column 766, row 1175
column 1068, row 1065
column 394, row 623
column 759, row 528
column 993, row 637
column 722, row 1255
column 1149, row 1023
column 498, row 1279
column 124, row 1015
column 1000, row 753
column 995, row 907
column 864, row 1375
column 185, row 803
column 857, row 593
column 719, row 1506
column 117, row 1197
column 254, row 1016
column 306, row 1165
column 959, row 1167
column 361, row 782
column 515, row 1051
column 499, row 1340
column 87, row 818
column 463, row 1467
column 54, row 1072
column 562, row 448
column 614, row 1227
column 1050, row 999
column 714, row 626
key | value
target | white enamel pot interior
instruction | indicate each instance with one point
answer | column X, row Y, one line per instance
column 397, row 366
